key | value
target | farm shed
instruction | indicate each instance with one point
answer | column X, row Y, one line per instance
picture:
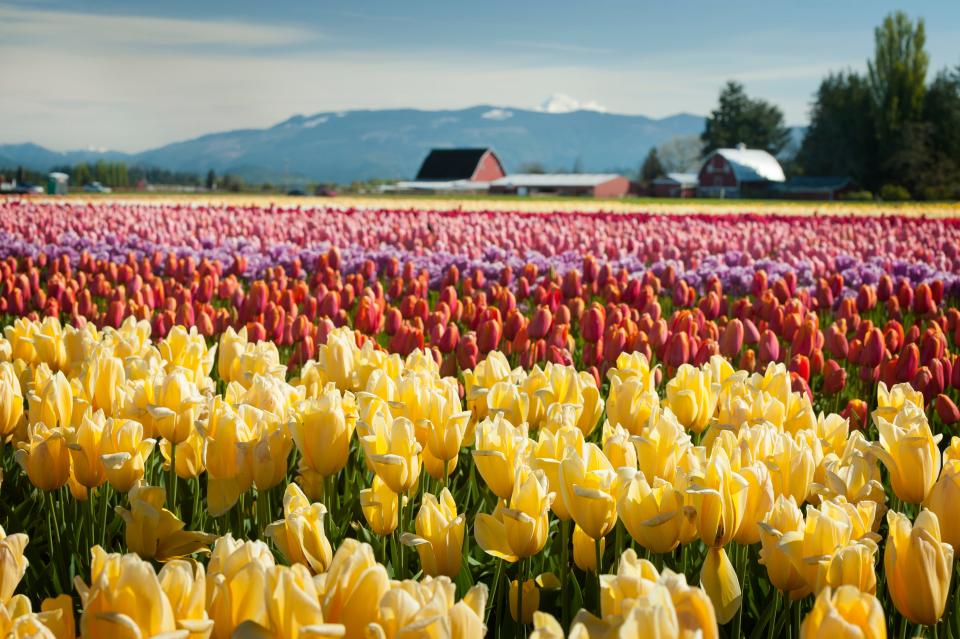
column 589, row 184
column 739, row 172
column 676, row 185
column 813, row 188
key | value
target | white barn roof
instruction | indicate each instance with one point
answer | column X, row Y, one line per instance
column 751, row 165
column 550, row 180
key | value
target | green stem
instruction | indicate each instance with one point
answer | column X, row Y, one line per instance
column 400, row 567
column 771, row 629
column 520, row 583
column 564, row 572
column 174, row 506
column 597, row 543
column 739, row 556
column 795, row 622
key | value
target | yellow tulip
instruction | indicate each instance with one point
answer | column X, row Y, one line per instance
column 918, row 566
column 909, row 450
column 617, row 446
column 413, row 396
column 124, row 599
column 177, row 405
column 791, row 467
column 943, row 499
column 565, row 385
column 236, row 602
column 57, row 615
column 439, row 538
column 585, row 551
column 322, row 431
column 84, row 447
column 653, row 615
column 500, row 447
column 231, row 347
column 477, row 382
column 153, row 532
column 351, row 590
column 45, row 456
column 123, row 452
column 546, row 627
column 394, row 452
column 337, row 359
column 655, row 516
column 268, row 394
column 694, row 609
column 852, row 565
column 635, row 578
column 184, row 583
column 189, row 462
column 631, row 402
column 428, row 609
column 720, row 497
column 519, row 529
column 660, row 444
column 13, row 565
column 20, row 335
column 845, row 613
column 300, row 534
column 952, row 452
column 632, row 365
column 11, row 401
column 505, row 399
column 53, row 405
column 294, row 604
column 891, row 401
column 692, row 396
column 380, row 507
column 103, row 380
column 187, row 349
column 531, row 600
column 447, row 425
column 587, row 487
column 546, row 455
column 269, row 454
column 437, row 468
column 854, row 474
column 261, row 358
column 783, row 518
column 760, row 494
column 225, row 431
column 720, row 581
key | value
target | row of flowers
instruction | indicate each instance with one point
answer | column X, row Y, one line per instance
column 532, row 491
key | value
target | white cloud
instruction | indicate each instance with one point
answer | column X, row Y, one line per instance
column 65, row 30
column 562, row 103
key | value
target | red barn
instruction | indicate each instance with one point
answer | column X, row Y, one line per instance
column 738, row 172
column 449, row 165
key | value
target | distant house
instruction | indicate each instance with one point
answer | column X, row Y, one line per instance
column 588, row 184
column 676, row 185
column 814, row 188
column 739, row 172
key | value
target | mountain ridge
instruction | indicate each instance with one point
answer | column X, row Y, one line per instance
column 361, row 144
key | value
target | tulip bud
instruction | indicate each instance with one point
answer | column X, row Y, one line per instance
column 769, row 349
column 732, row 339
column 947, row 410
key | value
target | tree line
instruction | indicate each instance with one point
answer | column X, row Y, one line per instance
column 889, row 130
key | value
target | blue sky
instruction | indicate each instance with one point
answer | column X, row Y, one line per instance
column 133, row 75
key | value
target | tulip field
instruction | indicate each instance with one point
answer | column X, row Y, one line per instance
column 266, row 421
